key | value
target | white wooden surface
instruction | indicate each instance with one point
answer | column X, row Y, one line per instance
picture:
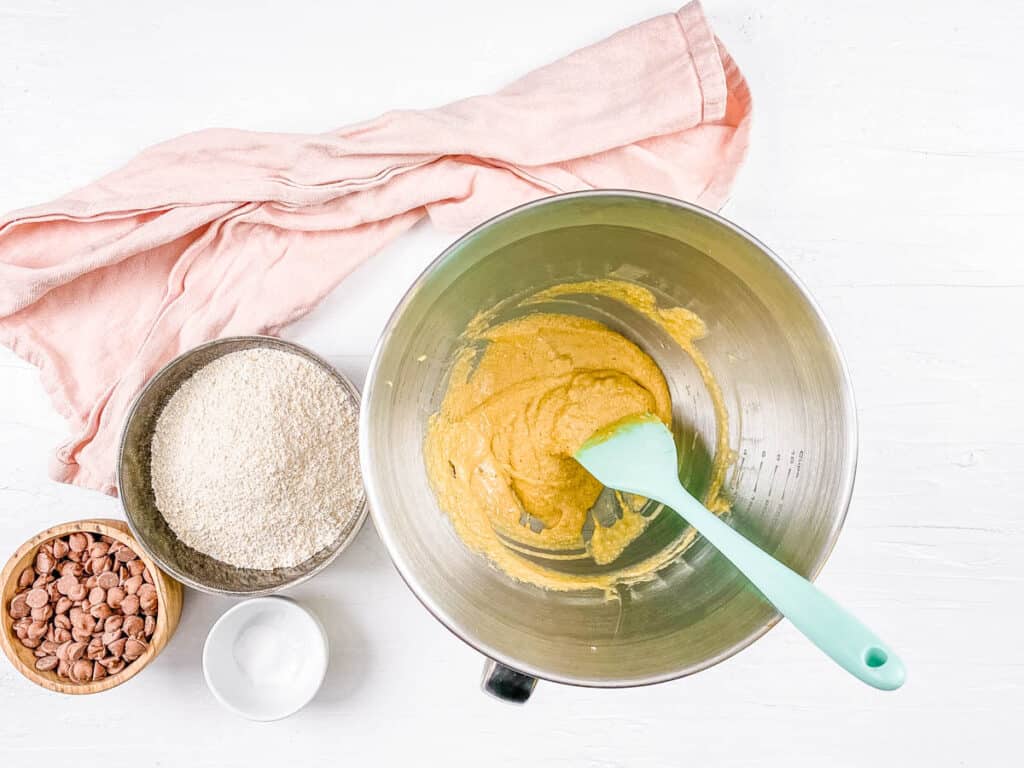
column 886, row 166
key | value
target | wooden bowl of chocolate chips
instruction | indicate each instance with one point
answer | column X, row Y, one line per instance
column 84, row 608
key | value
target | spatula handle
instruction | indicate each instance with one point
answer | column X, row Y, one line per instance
column 826, row 623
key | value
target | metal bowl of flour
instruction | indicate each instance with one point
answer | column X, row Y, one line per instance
column 134, row 483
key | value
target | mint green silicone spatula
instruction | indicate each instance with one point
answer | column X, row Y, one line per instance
column 638, row 455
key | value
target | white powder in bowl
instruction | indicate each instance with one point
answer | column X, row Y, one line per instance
column 255, row 459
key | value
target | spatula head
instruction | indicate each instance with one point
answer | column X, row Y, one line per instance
column 636, row 455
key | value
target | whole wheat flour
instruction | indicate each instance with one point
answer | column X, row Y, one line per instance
column 255, row 459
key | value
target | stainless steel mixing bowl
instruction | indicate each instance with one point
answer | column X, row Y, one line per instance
column 792, row 427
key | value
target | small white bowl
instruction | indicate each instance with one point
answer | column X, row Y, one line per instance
column 265, row 659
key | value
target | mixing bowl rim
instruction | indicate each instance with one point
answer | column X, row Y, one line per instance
column 265, row 342
column 849, row 470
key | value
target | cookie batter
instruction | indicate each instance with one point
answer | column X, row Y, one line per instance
column 499, row 451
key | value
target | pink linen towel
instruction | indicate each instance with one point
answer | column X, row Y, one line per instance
column 226, row 232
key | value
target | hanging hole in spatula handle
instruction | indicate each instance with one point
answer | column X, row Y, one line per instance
column 882, row 668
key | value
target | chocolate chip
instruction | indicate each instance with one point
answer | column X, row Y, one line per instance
column 130, row 605
column 106, row 580
column 134, row 627
column 81, row 671
column 46, row 663
column 44, row 562
column 27, row 577
column 20, row 608
column 42, row 614
column 133, row 649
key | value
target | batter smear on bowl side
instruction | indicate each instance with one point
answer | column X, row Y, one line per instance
column 522, row 397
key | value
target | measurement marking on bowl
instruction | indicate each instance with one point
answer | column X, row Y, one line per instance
column 739, row 471
column 785, row 483
column 774, row 495
column 771, row 483
column 757, row 477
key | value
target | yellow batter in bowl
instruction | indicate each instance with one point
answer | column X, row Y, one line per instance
column 522, row 396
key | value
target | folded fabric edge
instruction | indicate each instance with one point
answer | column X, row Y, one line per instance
column 716, row 192
column 704, row 55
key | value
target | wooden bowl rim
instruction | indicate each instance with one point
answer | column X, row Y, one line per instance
column 116, row 529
